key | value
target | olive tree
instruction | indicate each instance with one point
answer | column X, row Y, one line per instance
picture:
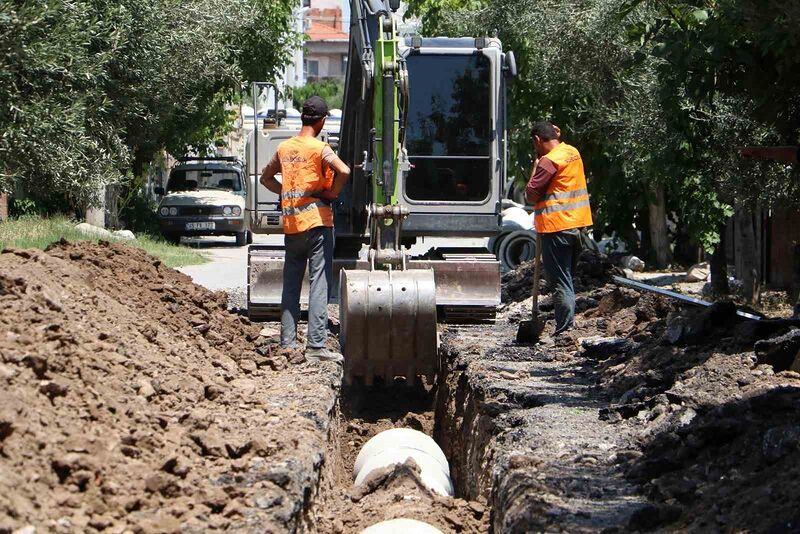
column 91, row 90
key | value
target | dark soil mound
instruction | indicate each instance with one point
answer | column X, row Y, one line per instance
column 715, row 412
column 593, row 270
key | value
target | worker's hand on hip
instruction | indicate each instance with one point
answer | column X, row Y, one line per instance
column 327, row 195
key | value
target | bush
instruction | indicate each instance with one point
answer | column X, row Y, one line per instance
column 138, row 211
column 330, row 90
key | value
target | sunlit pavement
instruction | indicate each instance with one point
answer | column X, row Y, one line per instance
column 228, row 266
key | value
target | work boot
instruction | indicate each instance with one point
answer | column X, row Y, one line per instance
column 322, row 355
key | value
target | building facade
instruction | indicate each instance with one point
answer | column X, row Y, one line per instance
column 327, row 44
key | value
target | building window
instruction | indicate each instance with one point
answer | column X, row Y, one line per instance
column 312, row 67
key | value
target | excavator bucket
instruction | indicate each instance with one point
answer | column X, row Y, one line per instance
column 388, row 325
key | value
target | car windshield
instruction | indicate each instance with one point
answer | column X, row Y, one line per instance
column 195, row 179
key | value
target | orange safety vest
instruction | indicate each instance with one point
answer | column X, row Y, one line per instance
column 303, row 178
column 565, row 205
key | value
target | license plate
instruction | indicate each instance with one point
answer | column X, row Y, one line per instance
column 200, row 226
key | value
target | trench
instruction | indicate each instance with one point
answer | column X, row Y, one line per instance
column 445, row 411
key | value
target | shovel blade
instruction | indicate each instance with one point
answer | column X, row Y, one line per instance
column 530, row 331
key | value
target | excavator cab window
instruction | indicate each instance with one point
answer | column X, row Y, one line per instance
column 450, row 130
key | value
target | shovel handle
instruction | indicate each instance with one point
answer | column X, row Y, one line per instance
column 537, row 273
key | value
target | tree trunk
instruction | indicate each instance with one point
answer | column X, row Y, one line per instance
column 643, row 225
column 3, row 207
column 719, row 266
column 795, row 292
column 659, row 237
column 749, row 253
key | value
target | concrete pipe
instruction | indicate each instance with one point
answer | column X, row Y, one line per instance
column 401, row 526
column 516, row 219
column 400, row 438
column 516, row 249
column 494, row 243
column 431, row 473
column 397, row 445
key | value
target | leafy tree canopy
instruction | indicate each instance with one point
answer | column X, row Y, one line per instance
column 90, row 90
column 330, row 90
column 655, row 94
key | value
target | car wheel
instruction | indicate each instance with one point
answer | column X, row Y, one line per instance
column 249, row 237
column 241, row 239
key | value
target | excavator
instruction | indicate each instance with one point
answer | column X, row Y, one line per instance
column 424, row 132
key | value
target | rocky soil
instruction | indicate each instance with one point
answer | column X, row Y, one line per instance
column 132, row 401
column 647, row 417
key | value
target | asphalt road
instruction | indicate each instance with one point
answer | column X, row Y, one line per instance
column 228, row 266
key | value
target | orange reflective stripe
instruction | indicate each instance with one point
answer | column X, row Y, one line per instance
column 565, row 205
column 303, row 178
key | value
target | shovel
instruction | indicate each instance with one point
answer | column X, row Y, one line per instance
column 529, row 331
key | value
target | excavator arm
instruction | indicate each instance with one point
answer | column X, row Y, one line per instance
column 387, row 311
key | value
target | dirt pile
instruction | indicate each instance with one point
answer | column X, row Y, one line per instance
column 715, row 439
column 132, row 400
column 648, row 416
column 592, row 271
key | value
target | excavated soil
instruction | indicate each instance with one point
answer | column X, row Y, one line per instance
column 648, row 416
column 592, row 271
column 133, row 401
column 716, row 419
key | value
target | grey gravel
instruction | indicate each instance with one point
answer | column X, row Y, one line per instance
column 237, row 300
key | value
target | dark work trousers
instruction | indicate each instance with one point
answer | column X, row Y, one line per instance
column 313, row 248
column 560, row 251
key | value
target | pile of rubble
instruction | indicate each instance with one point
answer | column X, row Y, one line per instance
column 592, row 271
column 132, row 400
column 714, row 404
column 704, row 405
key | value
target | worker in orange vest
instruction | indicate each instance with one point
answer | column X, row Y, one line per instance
column 557, row 189
column 312, row 178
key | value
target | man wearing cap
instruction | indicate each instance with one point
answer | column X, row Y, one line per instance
column 312, row 178
column 557, row 189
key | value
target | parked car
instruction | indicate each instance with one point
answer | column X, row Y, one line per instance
column 204, row 196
